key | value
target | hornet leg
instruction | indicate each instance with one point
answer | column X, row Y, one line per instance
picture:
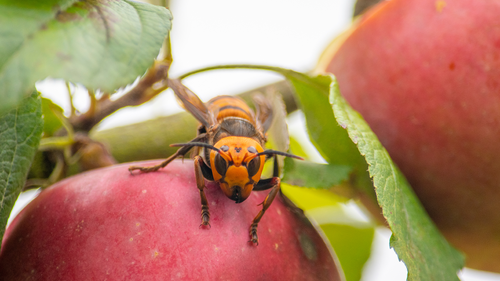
column 200, row 183
column 180, row 152
column 275, row 184
column 265, row 184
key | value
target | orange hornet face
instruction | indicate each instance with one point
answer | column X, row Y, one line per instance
column 237, row 167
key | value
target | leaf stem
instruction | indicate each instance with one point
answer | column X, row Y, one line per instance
column 55, row 143
column 280, row 70
column 288, row 73
column 66, row 124
column 70, row 96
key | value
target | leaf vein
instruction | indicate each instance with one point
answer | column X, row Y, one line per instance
column 12, row 161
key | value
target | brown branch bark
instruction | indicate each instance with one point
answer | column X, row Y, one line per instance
column 153, row 83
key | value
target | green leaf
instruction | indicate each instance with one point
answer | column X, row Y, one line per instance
column 102, row 44
column 308, row 198
column 20, row 133
column 297, row 149
column 415, row 238
column 324, row 132
column 51, row 123
column 305, row 173
column 352, row 245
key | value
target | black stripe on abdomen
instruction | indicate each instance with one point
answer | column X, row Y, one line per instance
column 235, row 108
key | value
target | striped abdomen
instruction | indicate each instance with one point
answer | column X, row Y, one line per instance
column 229, row 106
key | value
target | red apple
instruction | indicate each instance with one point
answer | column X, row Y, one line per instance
column 425, row 75
column 107, row 224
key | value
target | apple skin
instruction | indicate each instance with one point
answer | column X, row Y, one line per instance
column 107, row 224
column 425, row 75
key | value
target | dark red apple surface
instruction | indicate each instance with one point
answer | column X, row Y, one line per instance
column 425, row 75
column 107, row 224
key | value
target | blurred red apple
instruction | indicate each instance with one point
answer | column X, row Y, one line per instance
column 425, row 75
column 107, row 224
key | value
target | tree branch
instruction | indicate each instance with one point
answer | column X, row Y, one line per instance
column 153, row 83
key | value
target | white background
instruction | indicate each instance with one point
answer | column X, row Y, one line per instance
column 284, row 33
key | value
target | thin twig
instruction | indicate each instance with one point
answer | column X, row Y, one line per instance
column 153, row 83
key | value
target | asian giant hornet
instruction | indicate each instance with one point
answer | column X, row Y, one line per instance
column 229, row 149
